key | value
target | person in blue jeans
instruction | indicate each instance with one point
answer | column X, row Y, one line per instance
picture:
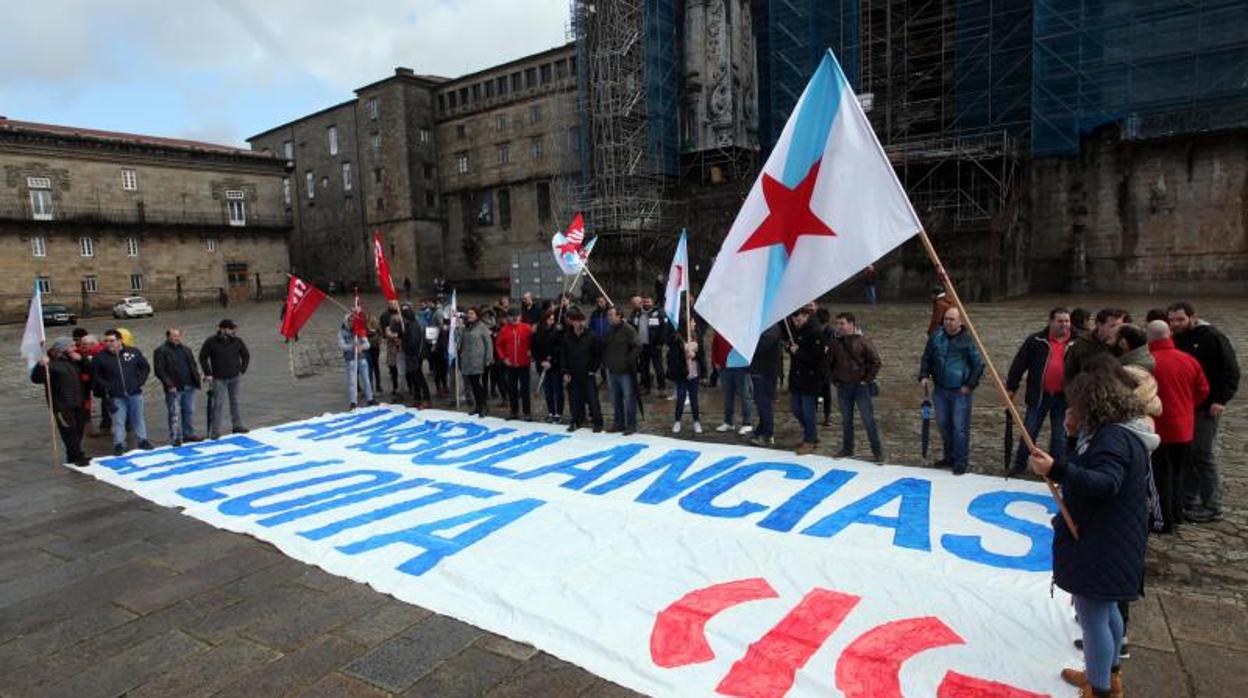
column 855, row 364
column 354, row 348
column 1042, row 358
column 119, row 373
column 178, row 374
column 951, row 367
column 808, row 369
column 1105, row 488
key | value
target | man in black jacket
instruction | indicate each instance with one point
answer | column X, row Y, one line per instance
column 1202, row 496
column 652, row 326
column 179, row 376
column 62, row 364
column 1043, row 358
column 580, row 355
column 119, row 372
column 808, row 369
column 764, row 367
column 224, row 358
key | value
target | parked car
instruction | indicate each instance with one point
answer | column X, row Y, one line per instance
column 58, row 314
column 133, row 306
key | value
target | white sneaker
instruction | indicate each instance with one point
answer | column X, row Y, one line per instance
column 670, row 397
column 675, row 427
column 697, row 427
column 724, row 427
column 745, row 429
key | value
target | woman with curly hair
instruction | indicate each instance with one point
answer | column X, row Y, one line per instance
column 1105, row 486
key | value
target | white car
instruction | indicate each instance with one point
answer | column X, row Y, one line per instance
column 133, row 306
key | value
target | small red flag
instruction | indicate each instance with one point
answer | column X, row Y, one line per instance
column 383, row 269
column 576, row 232
column 302, row 299
column 358, row 326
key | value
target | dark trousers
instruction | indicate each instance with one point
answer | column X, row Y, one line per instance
column 71, row 424
column 394, row 378
column 851, row 396
column 498, row 379
column 1202, row 485
column 479, row 395
column 652, row 356
column 416, row 384
column 687, row 386
column 1053, row 407
column 764, row 396
column 374, row 366
column 825, row 392
column 1169, row 464
column 519, row 385
column 437, row 363
column 552, row 388
column 582, row 392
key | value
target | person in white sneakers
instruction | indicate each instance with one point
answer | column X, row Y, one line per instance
column 686, row 364
column 735, row 383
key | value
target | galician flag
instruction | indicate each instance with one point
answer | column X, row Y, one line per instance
column 33, row 338
column 826, row 205
column 677, row 280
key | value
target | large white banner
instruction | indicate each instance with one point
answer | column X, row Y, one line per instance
column 672, row 567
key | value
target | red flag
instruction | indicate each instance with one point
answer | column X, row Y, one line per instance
column 302, row 299
column 383, row 269
column 576, row 232
column 358, row 326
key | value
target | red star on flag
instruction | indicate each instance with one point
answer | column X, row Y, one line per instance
column 788, row 214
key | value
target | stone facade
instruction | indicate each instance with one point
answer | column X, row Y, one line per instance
column 721, row 97
column 450, row 171
column 100, row 215
column 1167, row 217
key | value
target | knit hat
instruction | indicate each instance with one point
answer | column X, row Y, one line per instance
column 61, row 344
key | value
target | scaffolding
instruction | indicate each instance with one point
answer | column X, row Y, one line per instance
column 1154, row 67
column 622, row 186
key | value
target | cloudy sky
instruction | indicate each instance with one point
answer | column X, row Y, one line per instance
column 222, row 70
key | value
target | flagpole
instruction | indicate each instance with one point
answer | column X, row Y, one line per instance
column 290, row 350
column 590, row 274
column 996, row 377
column 47, row 386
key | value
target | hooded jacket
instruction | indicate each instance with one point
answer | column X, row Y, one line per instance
column 514, row 344
column 1216, row 356
column 1105, row 487
column 120, row 374
column 1181, row 385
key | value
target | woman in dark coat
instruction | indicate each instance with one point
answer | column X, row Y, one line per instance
column 545, row 348
column 415, row 349
column 1105, row 487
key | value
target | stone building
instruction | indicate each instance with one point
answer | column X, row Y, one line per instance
column 95, row 216
column 456, row 174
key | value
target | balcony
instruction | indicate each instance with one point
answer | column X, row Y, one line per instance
column 140, row 215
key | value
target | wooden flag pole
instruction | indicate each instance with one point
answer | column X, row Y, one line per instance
column 590, row 274
column 47, row 386
column 996, row 377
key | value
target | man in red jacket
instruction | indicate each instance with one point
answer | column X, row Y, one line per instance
column 512, row 348
column 1181, row 385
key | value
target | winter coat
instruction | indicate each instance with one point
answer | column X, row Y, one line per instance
column 1032, row 358
column 1105, row 486
column 952, row 361
column 1139, row 364
column 513, row 347
column 766, row 359
column 852, row 359
column 1083, row 347
column 476, row 351
column 415, row 346
column 808, row 368
column 223, row 357
column 120, row 374
column 1216, row 356
column 530, row 315
column 678, row 363
column 621, row 348
column 545, row 345
column 598, row 322
column 1181, row 385
column 657, row 325
column 580, row 354
column 164, row 364
column 348, row 342
column 66, row 388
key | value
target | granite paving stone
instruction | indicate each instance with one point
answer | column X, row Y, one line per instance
column 1148, row 625
column 470, row 673
column 543, row 675
column 43, row 641
column 254, row 611
column 210, row 574
column 382, row 623
column 116, row 675
column 17, row 565
column 209, row 671
column 1151, row 673
column 399, row 662
column 508, row 648
column 295, row 671
column 1215, row 671
column 1209, row 622
column 337, row 685
column 319, row 615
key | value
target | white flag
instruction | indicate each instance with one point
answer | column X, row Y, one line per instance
column 450, row 338
column 33, row 338
column 826, row 205
column 677, row 281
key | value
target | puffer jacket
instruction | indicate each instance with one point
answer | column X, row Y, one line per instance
column 1105, row 487
column 952, row 361
column 476, row 351
column 120, row 374
column 808, row 368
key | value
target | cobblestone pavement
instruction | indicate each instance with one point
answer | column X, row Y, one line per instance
column 105, row 594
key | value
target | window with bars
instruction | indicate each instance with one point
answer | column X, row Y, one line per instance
column 86, row 246
column 461, row 162
column 132, row 247
column 238, row 211
column 39, row 246
column 91, row 284
column 136, row 282
column 129, row 180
